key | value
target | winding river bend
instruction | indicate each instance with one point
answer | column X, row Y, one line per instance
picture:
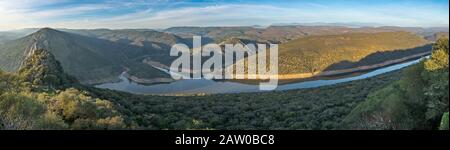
column 203, row 86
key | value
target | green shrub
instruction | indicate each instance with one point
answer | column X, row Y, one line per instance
column 444, row 122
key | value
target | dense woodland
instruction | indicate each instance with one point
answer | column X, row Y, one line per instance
column 417, row 101
column 42, row 96
column 101, row 55
column 39, row 97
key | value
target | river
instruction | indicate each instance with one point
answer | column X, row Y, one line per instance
column 203, row 86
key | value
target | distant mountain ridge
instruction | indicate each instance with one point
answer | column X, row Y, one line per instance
column 285, row 33
column 317, row 53
column 101, row 55
column 90, row 60
column 40, row 68
column 137, row 37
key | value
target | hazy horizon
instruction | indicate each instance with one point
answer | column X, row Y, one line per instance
column 256, row 26
column 162, row 14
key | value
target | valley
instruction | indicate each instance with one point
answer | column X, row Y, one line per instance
column 332, row 78
column 100, row 55
column 203, row 86
column 224, row 73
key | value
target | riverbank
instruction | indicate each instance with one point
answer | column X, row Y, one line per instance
column 339, row 72
column 283, row 78
column 203, row 86
column 147, row 81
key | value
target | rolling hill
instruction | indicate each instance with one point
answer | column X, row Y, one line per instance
column 316, row 53
column 100, row 55
column 6, row 36
column 285, row 33
column 137, row 37
column 330, row 54
column 90, row 60
column 437, row 36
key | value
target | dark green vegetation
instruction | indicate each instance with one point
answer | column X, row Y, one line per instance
column 42, row 69
column 100, row 55
column 417, row 101
column 317, row 53
column 90, row 60
column 38, row 97
column 415, row 98
column 319, row 108
column 444, row 122
column 37, row 103
column 24, row 107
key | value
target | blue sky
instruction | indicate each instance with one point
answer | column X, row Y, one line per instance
column 118, row 14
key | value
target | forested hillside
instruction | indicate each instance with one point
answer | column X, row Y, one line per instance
column 317, row 53
column 417, row 101
column 286, row 33
column 101, row 55
column 414, row 98
column 42, row 96
column 22, row 106
column 91, row 60
column 319, row 108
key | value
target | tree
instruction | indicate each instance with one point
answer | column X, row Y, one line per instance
column 416, row 101
column 85, row 112
column 41, row 69
column 436, row 75
column 19, row 111
column 24, row 108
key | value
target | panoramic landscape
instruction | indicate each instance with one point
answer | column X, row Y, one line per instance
column 108, row 65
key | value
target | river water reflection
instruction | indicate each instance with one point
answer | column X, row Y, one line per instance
column 197, row 86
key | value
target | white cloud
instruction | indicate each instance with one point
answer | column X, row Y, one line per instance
column 318, row 5
column 68, row 11
column 189, row 16
column 24, row 14
column 27, row 13
column 26, row 4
